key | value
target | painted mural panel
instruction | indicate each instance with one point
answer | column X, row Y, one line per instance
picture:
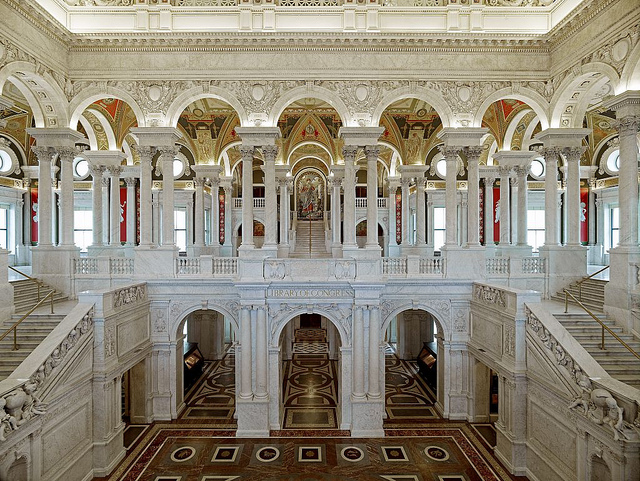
column 310, row 191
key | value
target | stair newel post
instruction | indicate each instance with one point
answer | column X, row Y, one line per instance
column 566, row 301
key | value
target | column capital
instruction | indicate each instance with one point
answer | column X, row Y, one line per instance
column 625, row 104
column 207, row 171
column 247, row 152
column 168, row 152
column 522, row 170
column 449, row 152
column 393, row 183
column 67, row 154
column 550, row 154
column 372, row 152
column 270, row 152
column 334, row 182
column 43, row 154
column 406, row 181
column 573, row 154
column 349, row 153
column 198, row 182
column 115, row 170
column 130, row 181
column 504, row 170
column 96, row 170
column 421, row 182
column 145, row 152
column 628, row 125
column 473, row 152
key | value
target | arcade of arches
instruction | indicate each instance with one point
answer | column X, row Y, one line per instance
column 355, row 223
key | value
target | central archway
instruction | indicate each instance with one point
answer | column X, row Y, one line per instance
column 309, row 372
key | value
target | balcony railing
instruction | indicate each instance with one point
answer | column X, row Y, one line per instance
column 533, row 265
column 206, row 266
column 497, row 266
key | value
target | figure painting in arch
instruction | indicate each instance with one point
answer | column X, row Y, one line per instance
column 310, row 196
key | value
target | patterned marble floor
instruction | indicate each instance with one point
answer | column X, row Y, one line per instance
column 212, row 398
column 445, row 452
column 408, row 400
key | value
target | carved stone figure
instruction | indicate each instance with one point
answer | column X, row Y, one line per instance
column 7, row 422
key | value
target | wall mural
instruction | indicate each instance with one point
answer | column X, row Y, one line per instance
column 310, row 189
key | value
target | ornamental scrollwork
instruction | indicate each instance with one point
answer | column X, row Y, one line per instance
column 489, row 295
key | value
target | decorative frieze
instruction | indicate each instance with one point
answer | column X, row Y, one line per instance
column 129, row 295
column 489, row 295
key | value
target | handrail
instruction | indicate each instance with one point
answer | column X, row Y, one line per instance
column 17, row 323
column 579, row 283
column 33, row 279
column 604, row 326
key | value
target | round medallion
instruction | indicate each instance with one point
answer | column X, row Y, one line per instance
column 620, row 50
column 268, row 454
column 464, row 94
column 362, row 91
column 181, row 455
column 436, row 453
column 257, row 92
column 352, row 454
column 154, row 93
column 421, row 113
column 198, row 112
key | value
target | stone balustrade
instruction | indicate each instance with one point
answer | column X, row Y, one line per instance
column 497, row 266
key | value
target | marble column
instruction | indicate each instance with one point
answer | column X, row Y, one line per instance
column 505, row 227
column 599, row 203
column 513, row 209
column 105, row 208
column 246, row 391
column 215, row 213
column 592, row 213
column 247, row 197
column 66, row 155
column 155, row 214
column 421, row 240
column 228, row 194
column 374, row 352
column 114, row 227
column 393, row 188
column 146, row 212
column 628, row 185
column 199, row 212
column 488, row 211
column 45, row 195
column 26, row 213
column 271, row 201
column 97, row 172
column 372, row 152
column 405, row 182
column 521, row 177
column 473, row 195
column 551, row 196
column 358, row 353
column 464, row 209
column 261, row 352
column 349, row 187
column 285, row 184
column 131, row 210
column 450, row 200
column 573, row 155
column 190, row 220
column 167, row 156
column 430, row 215
column 335, row 185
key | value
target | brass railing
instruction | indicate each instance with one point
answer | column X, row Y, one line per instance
column 579, row 283
column 567, row 294
column 32, row 279
column 14, row 328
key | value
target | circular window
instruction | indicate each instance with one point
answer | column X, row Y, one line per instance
column 613, row 161
column 81, row 169
column 441, row 168
column 537, row 167
column 5, row 162
column 178, row 168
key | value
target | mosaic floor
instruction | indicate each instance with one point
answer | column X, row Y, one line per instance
column 212, row 398
column 445, row 452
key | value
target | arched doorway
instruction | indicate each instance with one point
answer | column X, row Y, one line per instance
column 307, row 366
column 206, row 377
column 414, row 368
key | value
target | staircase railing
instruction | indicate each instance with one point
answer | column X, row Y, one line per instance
column 579, row 283
column 32, row 279
column 14, row 327
column 567, row 294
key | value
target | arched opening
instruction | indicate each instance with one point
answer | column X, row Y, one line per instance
column 414, row 368
column 600, row 470
column 206, row 374
column 135, row 386
column 19, row 470
column 310, row 147
column 309, row 373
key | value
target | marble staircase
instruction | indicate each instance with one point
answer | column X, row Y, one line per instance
column 25, row 294
column 35, row 328
column 310, row 240
column 615, row 358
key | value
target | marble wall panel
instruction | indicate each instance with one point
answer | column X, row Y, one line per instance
column 132, row 333
column 64, row 443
